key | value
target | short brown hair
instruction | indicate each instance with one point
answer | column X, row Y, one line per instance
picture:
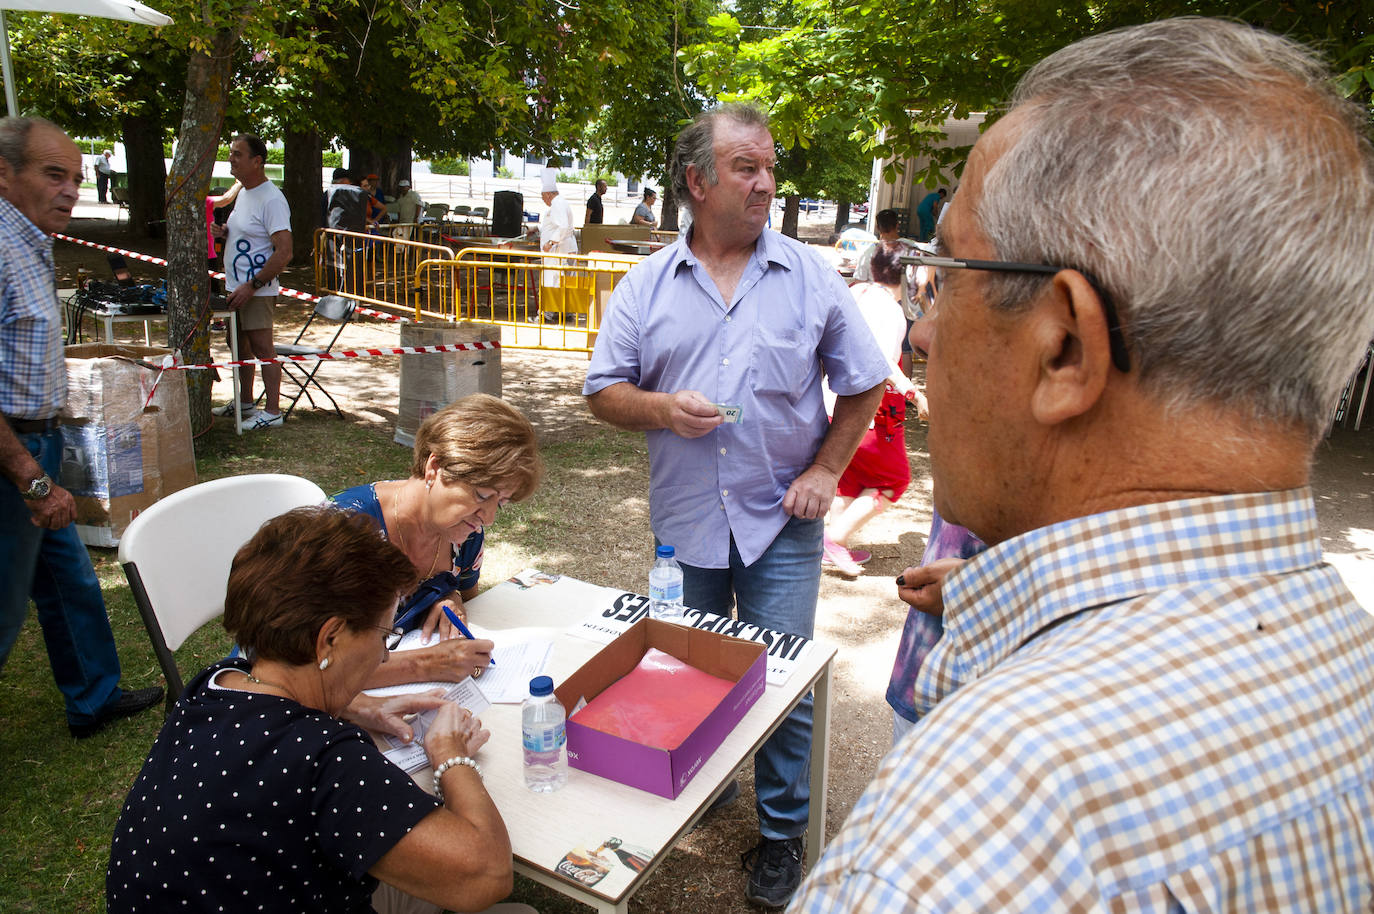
column 885, row 267
column 303, row 567
column 484, row 441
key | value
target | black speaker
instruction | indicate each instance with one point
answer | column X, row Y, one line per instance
column 507, row 214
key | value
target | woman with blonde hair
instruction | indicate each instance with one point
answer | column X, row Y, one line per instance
column 471, row 458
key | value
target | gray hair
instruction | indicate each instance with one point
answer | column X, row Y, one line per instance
column 14, row 138
column 696, row 144
column 1209, row 175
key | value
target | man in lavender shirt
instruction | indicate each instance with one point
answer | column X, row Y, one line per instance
column 732, row 316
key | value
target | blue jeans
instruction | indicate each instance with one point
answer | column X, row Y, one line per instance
column 54, row 568
column 778, row 591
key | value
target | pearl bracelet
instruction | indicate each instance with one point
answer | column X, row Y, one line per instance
column 445, row 766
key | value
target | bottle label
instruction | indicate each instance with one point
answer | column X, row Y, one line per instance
column 671, row 593
column 546, row 739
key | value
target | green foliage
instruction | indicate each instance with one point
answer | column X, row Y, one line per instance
column 448, row 165
column 589, row 176
column 890, row 74
column 331, row 159
column 274, row 154
column 655, row 95
column 504, row 172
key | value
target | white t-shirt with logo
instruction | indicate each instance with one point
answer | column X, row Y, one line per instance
column 258, row 214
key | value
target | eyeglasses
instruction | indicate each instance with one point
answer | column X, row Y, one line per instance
column 1116, row 339
column 393, row 636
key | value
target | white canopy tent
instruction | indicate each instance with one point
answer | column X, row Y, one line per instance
column 127, row 10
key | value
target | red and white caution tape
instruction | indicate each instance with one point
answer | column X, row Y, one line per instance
column 289, row 293
column 347, row 354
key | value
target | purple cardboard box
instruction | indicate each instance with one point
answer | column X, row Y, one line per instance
column 661, row 771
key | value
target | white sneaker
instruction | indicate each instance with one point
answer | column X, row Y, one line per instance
column 228, row 410
column 261, row 420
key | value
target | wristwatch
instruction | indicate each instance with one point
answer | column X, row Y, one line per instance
column 259, row 282
column 39, row 488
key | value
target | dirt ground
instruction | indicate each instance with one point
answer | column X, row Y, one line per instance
column 861, row 617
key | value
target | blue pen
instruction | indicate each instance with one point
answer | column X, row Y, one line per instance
column 458, row 624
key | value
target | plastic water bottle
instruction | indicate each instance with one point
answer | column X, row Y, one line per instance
column 665, row 586
column 543, row 729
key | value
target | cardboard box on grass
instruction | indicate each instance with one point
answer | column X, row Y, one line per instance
column 429, row 381
column 662, row 771
column 119, row 455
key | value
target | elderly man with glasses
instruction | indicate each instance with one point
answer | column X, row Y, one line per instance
column 1151, row 693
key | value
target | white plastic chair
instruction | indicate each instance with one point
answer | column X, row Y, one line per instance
column 177, row 553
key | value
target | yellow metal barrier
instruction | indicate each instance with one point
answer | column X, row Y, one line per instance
column 380, row 270
column 541, row 301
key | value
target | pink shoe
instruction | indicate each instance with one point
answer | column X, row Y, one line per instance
column 860, row 556
column 835, row 556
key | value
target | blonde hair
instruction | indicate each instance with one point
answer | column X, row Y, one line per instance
column 484, row 441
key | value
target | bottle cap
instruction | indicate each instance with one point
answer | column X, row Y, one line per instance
column 541, row 686
column 665, row 552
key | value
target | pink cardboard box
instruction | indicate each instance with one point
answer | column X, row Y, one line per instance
column 661, row 771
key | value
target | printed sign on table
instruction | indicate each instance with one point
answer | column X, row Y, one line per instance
column 625, row 609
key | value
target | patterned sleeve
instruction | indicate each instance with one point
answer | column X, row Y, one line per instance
column 362, row 803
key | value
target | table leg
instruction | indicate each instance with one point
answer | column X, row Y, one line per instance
column 234, row 371
column 109, row 328
column 820, row 767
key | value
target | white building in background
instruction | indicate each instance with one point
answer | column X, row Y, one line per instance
column 906, row 192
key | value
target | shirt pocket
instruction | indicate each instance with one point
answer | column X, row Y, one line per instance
column 779, row 362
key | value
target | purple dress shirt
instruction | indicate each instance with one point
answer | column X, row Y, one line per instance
column 668, row 329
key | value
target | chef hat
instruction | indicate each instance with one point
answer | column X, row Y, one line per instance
column 550, row 180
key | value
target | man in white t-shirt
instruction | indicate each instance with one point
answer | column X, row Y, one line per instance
column 258, row 249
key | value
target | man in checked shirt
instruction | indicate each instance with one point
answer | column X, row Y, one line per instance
column 40, row 553
column 1151, row 694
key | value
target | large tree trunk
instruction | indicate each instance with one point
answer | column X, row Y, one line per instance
column 188, row 284
column 388, row 164
column 363, row 161
column 790, row 208
column 841, row 215
column 667, row 219
column 147, row 174
column 395, row 165
column 303, row 160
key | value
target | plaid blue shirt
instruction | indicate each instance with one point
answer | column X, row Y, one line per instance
column 33, row 372
column 1163, row 708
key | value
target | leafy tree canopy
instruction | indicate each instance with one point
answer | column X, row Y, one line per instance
column 893, row 71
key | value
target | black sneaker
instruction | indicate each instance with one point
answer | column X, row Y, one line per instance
column 129, row 703
column 774, row 868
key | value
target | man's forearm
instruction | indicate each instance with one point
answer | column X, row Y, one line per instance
column 281, row 257
column 626, row 406
column 17, row 464
column 852, row 416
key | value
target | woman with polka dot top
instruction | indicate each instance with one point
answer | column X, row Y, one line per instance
column 258, row 796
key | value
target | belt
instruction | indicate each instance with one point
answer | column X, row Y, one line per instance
column 33, row 426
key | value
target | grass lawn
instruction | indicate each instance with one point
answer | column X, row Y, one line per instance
column 62, row 796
